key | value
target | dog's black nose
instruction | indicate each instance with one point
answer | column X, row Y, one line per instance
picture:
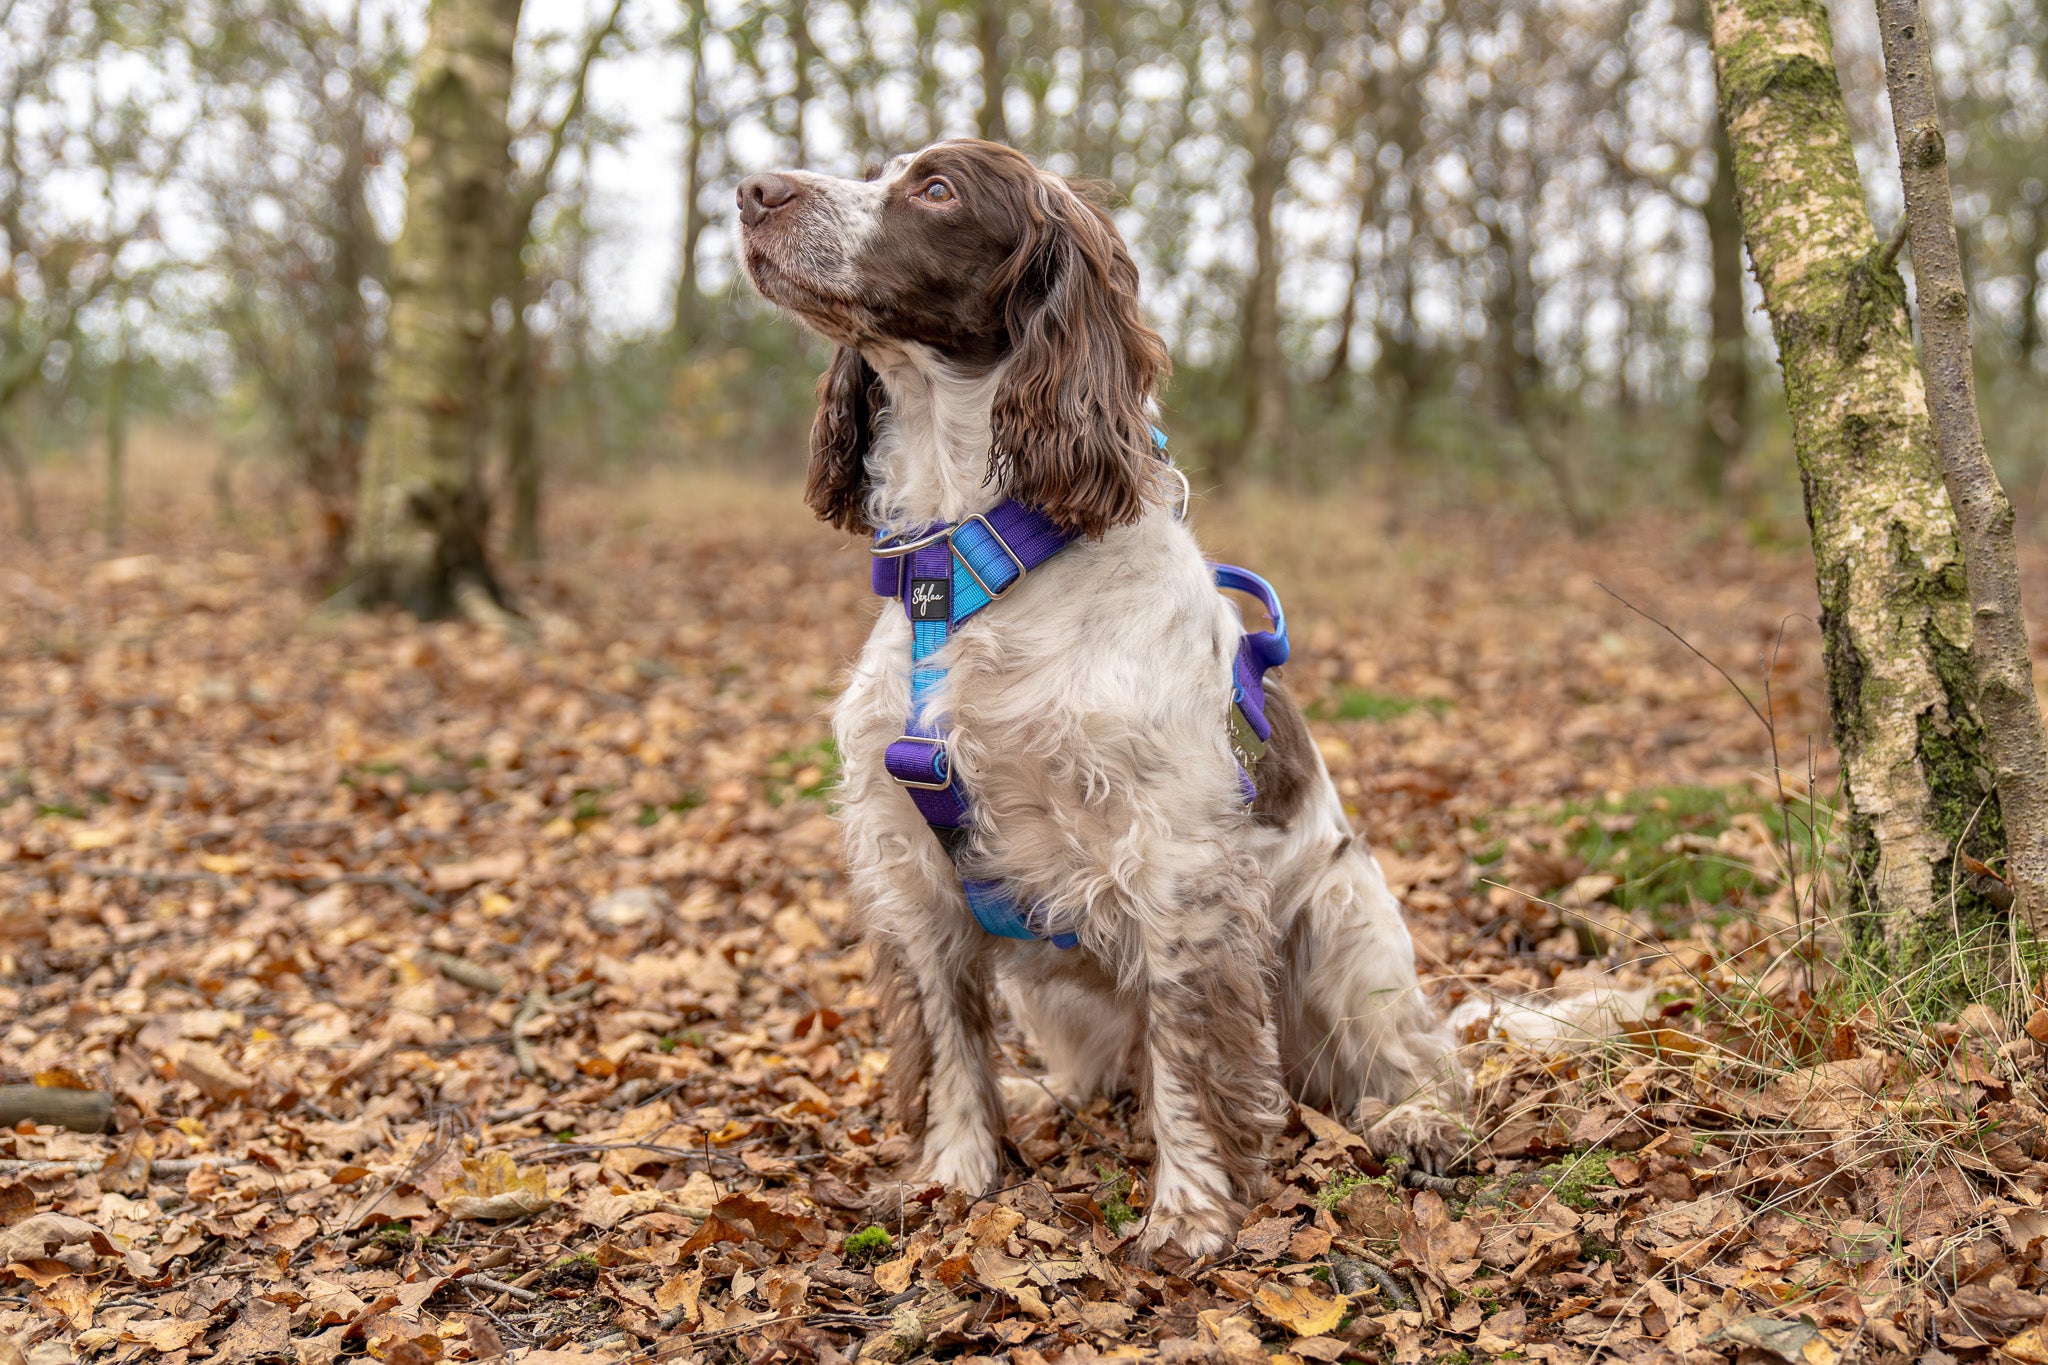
column 761, row 195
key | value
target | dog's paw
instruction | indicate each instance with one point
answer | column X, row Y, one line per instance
column 1431, row 1138
column 1195, row 1233
column 961, row 1166
column 1028, row 1097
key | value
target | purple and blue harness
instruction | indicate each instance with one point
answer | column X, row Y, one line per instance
column 945, row 575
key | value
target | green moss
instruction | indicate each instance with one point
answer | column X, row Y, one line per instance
column 1114, row 1201
column 865, row 1247
column 1343, row 1183
column 1573, row 1179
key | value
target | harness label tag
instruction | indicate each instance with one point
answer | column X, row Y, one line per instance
column 931, row 599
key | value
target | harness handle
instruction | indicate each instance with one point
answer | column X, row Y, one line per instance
column 1270, row 645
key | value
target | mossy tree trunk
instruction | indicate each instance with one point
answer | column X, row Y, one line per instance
column 1916, row 783
column 423, row 517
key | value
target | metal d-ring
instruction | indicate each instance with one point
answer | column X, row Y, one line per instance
column 1187, row 492
column 889, row 548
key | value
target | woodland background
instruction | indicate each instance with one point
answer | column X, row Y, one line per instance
column 462, row 987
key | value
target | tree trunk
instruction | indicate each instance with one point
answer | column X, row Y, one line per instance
column 1337, row 371
column 1262, row 374
column 522, row 434
column 2006, row 703
column 990, row 19
column 116, row 507
column 16, row 461
column 689, row 299
column 2030, row 292
column 1724, row 396
column 423, row 515
column 1895, row 620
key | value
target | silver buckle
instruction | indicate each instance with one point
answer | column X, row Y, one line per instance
column 941, row 746
column 1002, row 545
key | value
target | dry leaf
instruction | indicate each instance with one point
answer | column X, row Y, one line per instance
column 497, row 1188
column 1301, row 1310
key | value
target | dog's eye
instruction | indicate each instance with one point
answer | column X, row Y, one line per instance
column 937, row 192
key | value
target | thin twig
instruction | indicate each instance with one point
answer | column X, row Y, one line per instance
column 1761, row 718
column 1893, row 244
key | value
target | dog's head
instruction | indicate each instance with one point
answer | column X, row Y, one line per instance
column 970, row 253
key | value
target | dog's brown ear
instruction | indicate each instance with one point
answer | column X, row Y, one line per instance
column 1071, row 424
column 850, row 401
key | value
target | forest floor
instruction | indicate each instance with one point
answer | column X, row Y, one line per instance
column 462, row 993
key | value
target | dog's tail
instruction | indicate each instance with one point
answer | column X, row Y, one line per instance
column 1541, row 1022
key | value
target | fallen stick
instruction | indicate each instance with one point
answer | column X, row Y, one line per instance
column 82, row 1111
column 529, row 1010
column 498, row 1286
column 466, row 973
column 536, row 1002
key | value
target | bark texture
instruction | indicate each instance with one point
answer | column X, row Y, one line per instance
column 423, row 515
column 1895, row 620
column 2004, row 666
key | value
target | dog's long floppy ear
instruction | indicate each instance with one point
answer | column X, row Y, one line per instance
column 1071, row 423
column 850, row 401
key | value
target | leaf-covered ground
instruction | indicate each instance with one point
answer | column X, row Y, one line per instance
column 463, row 993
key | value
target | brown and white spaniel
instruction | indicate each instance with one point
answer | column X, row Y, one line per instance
column 990, row 346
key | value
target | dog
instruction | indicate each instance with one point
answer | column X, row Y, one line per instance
column 1228, row 958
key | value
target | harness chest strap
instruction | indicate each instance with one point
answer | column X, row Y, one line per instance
column 945, row 576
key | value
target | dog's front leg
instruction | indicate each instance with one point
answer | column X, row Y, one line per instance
column 1212, row 1071
column 942, row 1078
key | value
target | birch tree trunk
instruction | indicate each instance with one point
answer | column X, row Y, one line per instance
column 2004, row 667
column 423, row 515
column 1895, row 619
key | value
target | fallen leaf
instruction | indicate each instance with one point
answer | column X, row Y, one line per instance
column 1301, row 1310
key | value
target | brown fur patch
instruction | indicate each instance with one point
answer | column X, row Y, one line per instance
column 1286, row 775
column 1213, row 1027
column 910, row 1047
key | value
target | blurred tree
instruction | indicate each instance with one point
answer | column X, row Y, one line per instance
column 686, row 321
column 1895, row 620
column 305, row 121
column 991, row 22
column 1724, row 395
column 519, row 377
column 423, row 514
column 66, row 118
column 1261, row 378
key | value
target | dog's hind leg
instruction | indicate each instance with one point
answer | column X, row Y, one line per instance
column 1356, row 1031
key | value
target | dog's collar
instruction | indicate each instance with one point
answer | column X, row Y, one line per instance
column 948, row 572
